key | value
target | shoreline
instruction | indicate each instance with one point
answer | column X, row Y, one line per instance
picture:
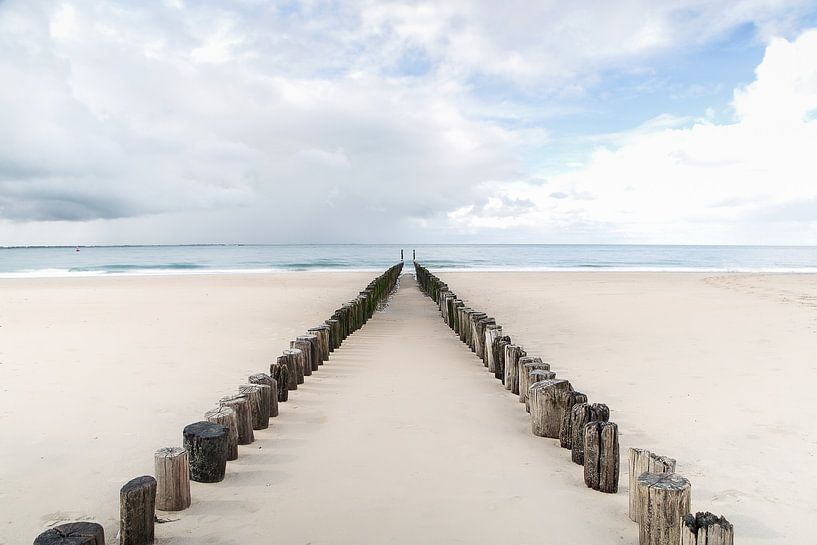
column 60, row 274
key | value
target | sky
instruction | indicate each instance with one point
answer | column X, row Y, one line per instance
column 180, row 121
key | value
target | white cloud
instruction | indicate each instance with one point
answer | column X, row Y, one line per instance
column 749, row 181
column 312, row 121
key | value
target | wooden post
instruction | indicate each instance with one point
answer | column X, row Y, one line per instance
column 455, row 315
column 706, row 529
column 478, row 333
column 601, row 456
column 137, row 508
column 280, row 372
column 448, row 314
column 546, row 407
column 294, row 362
column 73, row 533
column 206, row 444
column 258, row 397
column 443, row 306
column 464, row 325
column 580, row 415
column 315, row 344
column 334, row 334
column 243, row 416
column 664, row 503
column 473, row 335
column 643, row 461
column 305, row 346
column 226, row 417
column 172, row 470
column 537, row 375
column 458, row 318
column 512, row 355
column 322, row 332
column 569, row 400
column 527, row 364
column 453, row 319
column 492, row 331
column 500, row 343
column 272, row 392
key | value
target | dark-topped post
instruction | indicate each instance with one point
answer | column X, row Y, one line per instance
column 137, row 505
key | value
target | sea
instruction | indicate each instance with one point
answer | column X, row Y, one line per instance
column 52, row 261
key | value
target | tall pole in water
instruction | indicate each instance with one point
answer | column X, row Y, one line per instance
column 414, row 255
column 401, row 254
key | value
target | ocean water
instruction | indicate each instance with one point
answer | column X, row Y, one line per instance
column 121, row 260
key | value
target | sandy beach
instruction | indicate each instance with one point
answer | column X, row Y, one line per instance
column 97, row 373
column 716, row 370
column 403, row 436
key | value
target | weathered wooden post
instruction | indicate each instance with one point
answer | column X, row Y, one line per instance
column 322, row 333
column 665, row 501
column 73, row 533
column 546, row 406
column 512, row 355
column 258, row 398
column 580, row 415
column 449, row 308
column 706, row 529
column 601, row 456
column 305, row 346
column 492, row 331
column 473, row 335
column 537, row 375
column 137, row 508
column 243, row 416
column 464, row 325
column 457, row 317
column 456, row 305
column 272, row 392
column 443, row 306
column 280, row 372
column 479, row 340
column 643, row 461
column 206, row 445
column 226, row 417
column 334, row 334
column 526, row 364
column 293, row 360
column 172, row 470
column 315, row 344
column 500, row 343
column 569, row 400
column 339, row 316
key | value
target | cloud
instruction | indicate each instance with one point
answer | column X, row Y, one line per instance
column 324, row 121
column 749, row 181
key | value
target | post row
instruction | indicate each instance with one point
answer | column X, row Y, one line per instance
column 210, row 443
column 659, row 498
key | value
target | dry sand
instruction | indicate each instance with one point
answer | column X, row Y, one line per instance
column 403, row 437
column 97, row 373
column 718, row 371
